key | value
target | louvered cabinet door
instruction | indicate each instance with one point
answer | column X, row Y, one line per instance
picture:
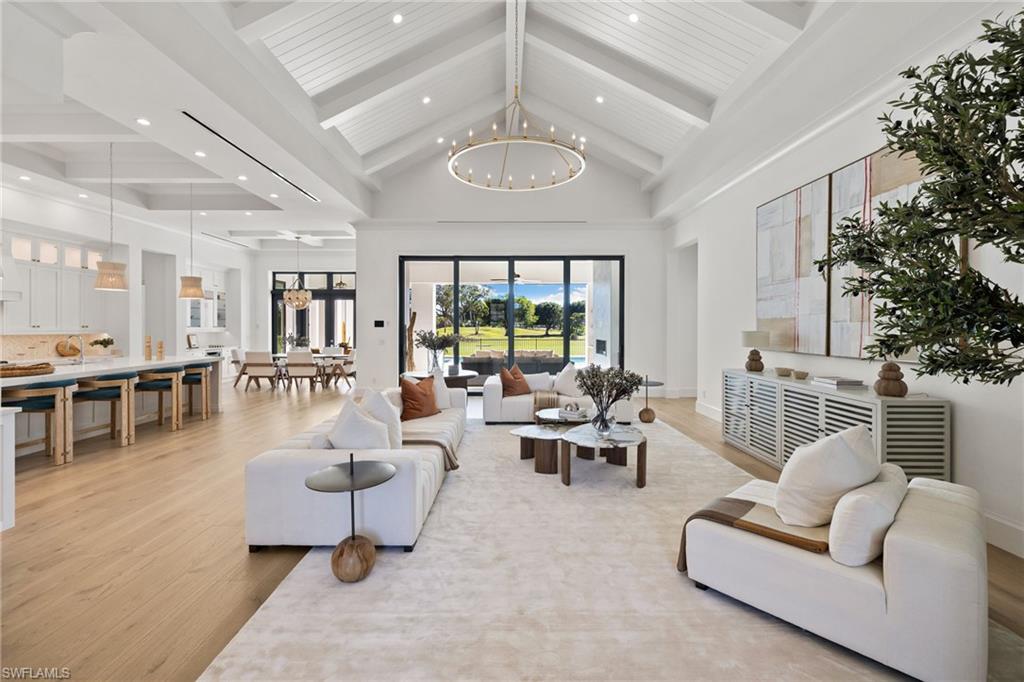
column 734, row 409
column 843, row 414
column 763, row 438
column 916, row 437
column 801, row 419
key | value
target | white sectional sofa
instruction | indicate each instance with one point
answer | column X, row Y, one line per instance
column 280, row 510
column 517, row 409
column 921, row 608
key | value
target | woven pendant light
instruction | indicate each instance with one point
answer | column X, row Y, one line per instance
column 110, row 274
column 191, row 286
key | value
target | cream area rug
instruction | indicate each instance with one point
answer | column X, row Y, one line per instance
column 517, row 577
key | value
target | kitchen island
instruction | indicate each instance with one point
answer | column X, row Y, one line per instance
column 65, row 368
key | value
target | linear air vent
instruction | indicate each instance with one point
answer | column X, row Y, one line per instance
column 250, row 156
column 225, row 239
column 511, row 222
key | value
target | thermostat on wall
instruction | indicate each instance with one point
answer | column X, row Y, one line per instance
column 378, row 323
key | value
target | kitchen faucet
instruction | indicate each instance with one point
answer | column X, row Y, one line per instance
column 81, row 347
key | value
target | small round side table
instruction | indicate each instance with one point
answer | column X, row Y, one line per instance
column 354, row 556
column 647, row 413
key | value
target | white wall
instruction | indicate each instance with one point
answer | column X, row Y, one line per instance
column 988, row 429
column 377, row 276
column 681, row 321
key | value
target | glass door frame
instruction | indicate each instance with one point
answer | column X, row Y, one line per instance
column 510, row 299
column 328, row 295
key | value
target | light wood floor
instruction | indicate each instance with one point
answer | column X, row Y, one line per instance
column 131, row 564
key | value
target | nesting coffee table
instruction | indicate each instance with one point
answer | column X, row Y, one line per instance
column 540, row 442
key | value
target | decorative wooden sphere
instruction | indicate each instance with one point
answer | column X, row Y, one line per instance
column 647, row 415
column 890, row 381
column 353, row 559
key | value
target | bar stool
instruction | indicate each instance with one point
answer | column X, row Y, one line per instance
column 198, row 374
column 52, row 398
column 116, row 388
column 160, row 380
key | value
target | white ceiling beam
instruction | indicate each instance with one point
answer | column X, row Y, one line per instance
column 780, row 20
column 136, row 171
column 426, row 136
column 228, row 201
column 257, row 19
column 73, row 127
column 598, row 138
column 511, row 44
column 671, row 96
column 440, row 55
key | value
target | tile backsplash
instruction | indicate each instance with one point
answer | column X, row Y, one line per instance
column 23, row 347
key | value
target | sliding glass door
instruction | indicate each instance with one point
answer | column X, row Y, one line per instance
column 329, row 320
column 539, row 312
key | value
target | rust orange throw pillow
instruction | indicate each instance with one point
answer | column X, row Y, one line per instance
column 418, row 399
column 513, row 383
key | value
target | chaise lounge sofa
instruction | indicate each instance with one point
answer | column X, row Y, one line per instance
column 280, row 510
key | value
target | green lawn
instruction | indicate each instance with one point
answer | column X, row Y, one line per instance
column 494, row 338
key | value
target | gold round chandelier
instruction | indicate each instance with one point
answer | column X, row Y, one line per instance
column 296, row 296
column 514, row 160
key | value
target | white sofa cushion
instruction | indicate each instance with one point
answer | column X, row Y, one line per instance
column 539, row 382
column 354, row 429
column 381, row 409
column 565, row 382
column 441, row 393
column 863, row 516
column 820, row 473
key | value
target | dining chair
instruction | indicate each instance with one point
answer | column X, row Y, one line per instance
column 301, row 365
column 260, row 365
column 238, row 361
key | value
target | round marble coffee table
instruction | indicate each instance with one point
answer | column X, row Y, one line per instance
column 539, row 442
column 552, row 415
column 613, row 447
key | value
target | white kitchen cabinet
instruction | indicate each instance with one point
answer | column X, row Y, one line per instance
column 93, row 317
column 16, row 312
column 44, row 296
column 70, row 301
column 81, row 305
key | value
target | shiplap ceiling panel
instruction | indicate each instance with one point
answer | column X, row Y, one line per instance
column 402, row 111
column 689, row 41
column 342, row 40
column 625, row 110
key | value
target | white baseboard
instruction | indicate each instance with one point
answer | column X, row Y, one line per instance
column 709, row 411
column 1005, row 534
column 690, row 392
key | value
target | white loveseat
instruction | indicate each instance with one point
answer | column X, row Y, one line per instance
column 519, row 408
column 280, row 510
column 921, row 608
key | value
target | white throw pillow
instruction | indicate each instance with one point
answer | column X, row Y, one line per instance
column 441, row 393
column 320, row 442
column 820, row 473
column 863, row 516
column 565, row 382
column 538, row 382
column 380, row 408
column 356, row 430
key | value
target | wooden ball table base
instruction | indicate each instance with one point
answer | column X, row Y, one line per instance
column 353, row 559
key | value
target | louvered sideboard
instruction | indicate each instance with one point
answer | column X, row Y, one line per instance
column 769, row 417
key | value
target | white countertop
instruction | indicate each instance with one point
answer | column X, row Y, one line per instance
column 103, row 365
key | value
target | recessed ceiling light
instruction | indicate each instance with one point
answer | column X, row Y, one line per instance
column 24, row 177
column 142, row 121
column 202, row 213
column 273, row 196
column 426, row 100
column 634, row 17
column 583, row 140
column 83, row 196
column 242, row 178
column 440, row 140
column 599, row 99
column 200, row 153
column 248, row 213
column 397, row 19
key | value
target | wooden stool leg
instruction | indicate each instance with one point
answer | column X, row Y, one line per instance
column 641, row 465
column 66, row 425
column 176, row 412
column 130, row 412
column 48, row 438
column 205, row 386
column 113, row 419
column 191, row 409
column 566, row 461
column 159, row 408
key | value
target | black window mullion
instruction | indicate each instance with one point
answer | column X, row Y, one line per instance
column 456, row 312
column 566, row 344
column 510, row 313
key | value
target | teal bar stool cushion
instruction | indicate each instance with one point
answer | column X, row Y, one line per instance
column 164, row 370
column 155, row 385
column 58, row 383
column 192, row 379
column 40, row 403
column 199, row 365
column 111, row 393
